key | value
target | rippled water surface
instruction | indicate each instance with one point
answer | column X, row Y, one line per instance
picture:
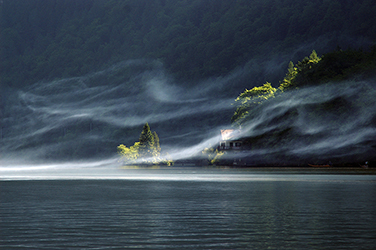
column 186, row 208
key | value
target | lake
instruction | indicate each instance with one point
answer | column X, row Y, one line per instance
column 186, row 208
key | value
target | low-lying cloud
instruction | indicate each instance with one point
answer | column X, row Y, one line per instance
column 95, row 113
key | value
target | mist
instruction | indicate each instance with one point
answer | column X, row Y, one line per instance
column 85, row 118
column 331, row 122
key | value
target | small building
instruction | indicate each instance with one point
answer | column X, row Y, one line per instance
column 230, row 140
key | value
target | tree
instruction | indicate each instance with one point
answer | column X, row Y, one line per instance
column 157, row 146
column 299, row 74
column 250, row 98
column 314, row 58
column 146, row 148
column 287, row 82
column 129, row 154
column 213, row 155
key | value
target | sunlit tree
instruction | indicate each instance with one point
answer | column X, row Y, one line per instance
column 213, row 155
column 146, row 148
column 301, row 69
column 250, row 98
column 128, row 154
column 292, row 71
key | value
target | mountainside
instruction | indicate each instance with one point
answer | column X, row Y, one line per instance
column 323, row 111
column 44, row 39
column 80, row 77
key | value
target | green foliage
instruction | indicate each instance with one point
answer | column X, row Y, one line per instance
column 147, row 150
column 213, row 155
column 304, row 67
column 249, row 98
column 328, row 71
column 166, row 160
column 333, row 66
column 287, row 82
column 129, row 154
column 341, row 65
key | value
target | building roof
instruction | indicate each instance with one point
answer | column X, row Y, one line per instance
column 229, row 134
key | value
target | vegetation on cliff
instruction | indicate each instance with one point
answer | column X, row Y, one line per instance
column 334, row 66
column 57, row 56
column 304, row 117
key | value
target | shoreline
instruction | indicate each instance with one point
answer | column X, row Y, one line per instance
column 262, row 168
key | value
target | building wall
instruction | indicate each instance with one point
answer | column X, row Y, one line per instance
column 225, row 145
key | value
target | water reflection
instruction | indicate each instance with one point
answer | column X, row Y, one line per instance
column 188, row 208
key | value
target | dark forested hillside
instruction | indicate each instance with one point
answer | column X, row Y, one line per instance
column 322, row 110
column 79, row 77
column 48, row 39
